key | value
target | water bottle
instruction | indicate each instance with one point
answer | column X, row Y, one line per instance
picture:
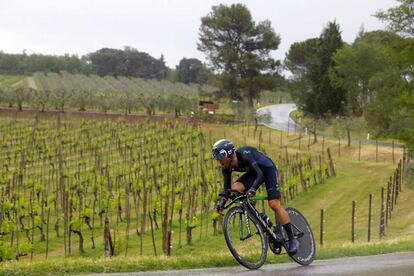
column 266, row 218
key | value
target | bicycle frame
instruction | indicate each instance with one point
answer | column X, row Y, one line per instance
column 247, row 206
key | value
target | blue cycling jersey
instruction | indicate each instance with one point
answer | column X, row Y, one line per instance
column 253, row 162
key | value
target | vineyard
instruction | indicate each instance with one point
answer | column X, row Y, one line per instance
column 97, row 188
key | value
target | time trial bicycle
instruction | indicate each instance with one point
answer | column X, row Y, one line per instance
column 249, row 233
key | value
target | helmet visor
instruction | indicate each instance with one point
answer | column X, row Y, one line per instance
column 219, row 154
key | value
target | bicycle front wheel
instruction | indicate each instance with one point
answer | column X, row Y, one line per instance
column 245, row 238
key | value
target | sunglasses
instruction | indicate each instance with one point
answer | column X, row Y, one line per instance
column 219, row 154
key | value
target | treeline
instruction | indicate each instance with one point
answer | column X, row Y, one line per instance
column 24, row 64
column 107, row 62
column 126, row 62
column 370, row 78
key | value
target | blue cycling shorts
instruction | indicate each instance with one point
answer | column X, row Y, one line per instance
column 270, row 179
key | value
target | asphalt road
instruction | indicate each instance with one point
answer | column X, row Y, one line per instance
column 280, row 116
column 378, row 265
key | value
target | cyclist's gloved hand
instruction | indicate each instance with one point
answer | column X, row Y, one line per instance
column 251, row 192
column 220, row 204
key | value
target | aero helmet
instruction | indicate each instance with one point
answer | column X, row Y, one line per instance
column 222, row 148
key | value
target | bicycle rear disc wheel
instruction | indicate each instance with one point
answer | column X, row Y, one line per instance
column 307, row 250
column 248, row 245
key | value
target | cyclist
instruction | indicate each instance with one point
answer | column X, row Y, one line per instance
column 259, row 168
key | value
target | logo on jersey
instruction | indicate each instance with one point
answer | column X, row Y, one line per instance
column 247, row 152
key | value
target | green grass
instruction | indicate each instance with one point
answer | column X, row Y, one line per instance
column 354, row 181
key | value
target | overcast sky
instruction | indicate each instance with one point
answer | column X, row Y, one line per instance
column 168, row 27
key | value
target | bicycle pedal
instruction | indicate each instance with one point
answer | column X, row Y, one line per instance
column 276, row 250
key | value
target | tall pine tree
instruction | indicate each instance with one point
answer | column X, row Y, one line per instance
column 311, row 61
column 239, row 49
column 326, row 97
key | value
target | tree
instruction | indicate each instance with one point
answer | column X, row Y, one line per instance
column 311, row 61
column 192, row 70
column 127, row 100
column 142, row 65
column 179, row 104
column 313, row 124
column 7, row 96
column 127, row 62
column 104, row 100
column 407, row 104
column 344, row 125
column 375, row 71
column 41, row 97
column 60, row 98
column 400, row 18
column 301, row 56
column 354, row 67
column 385, row 109
column 108, row 62
column 328, row 98
column 205, row 75
column 188, row 70
column 149, row 102
column 398, row 51
column 21, row 95
column 239, row 49
column 82, row 98
column 299, row 60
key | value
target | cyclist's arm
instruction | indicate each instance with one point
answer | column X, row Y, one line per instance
column 259, row 174
column 226, row 181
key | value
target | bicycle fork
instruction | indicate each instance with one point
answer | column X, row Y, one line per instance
column 249, row 232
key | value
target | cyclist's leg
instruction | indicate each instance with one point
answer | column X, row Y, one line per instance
column 279, row 210
column 238, row 186
column 273, row 195
column 244, row 182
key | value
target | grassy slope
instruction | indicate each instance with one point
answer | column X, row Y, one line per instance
column 355, row 181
